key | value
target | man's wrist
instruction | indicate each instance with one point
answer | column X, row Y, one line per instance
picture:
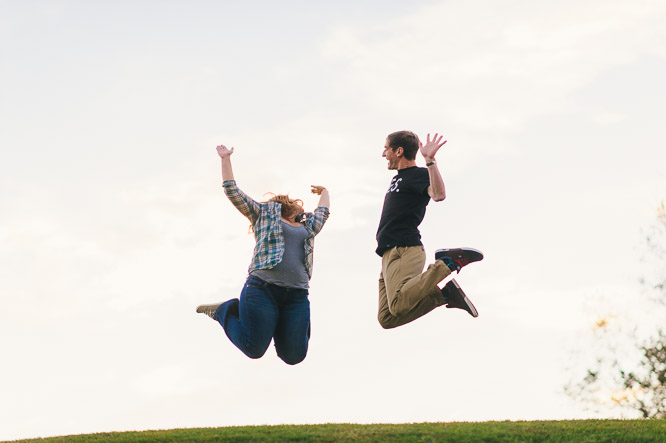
column 430, row 162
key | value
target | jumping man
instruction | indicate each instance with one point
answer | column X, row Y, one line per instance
column 405, row 291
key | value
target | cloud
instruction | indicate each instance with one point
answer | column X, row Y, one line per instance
column 489, row 67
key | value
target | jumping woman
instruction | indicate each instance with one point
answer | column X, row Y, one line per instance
column 274, row 301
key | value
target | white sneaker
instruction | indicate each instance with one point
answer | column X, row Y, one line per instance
column 209, row 310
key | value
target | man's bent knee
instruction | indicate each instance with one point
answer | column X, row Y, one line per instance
column 387, row 321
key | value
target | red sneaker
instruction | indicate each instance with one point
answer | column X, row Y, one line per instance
column 457, row 258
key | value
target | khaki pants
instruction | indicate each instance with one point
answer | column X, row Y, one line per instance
column 405, row 293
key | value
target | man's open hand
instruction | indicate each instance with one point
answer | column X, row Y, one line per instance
column 431, row 147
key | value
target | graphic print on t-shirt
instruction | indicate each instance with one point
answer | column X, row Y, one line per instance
column 394, row 185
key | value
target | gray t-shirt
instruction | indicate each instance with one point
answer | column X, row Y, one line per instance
column 290, row 272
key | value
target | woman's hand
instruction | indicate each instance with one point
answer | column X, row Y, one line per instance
column 224, row 152
column 325, row 199
column 317, row 189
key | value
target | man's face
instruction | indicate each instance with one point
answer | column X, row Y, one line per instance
column 390, row 155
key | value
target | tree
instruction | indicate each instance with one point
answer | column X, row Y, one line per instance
column 647, row 385
column 656, row 245
column 641, row 389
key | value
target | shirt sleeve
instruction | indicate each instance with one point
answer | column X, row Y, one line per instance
column 317, row 221
column 423, row 181
column 244, row 203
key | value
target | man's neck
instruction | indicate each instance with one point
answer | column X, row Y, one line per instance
column 404, row 163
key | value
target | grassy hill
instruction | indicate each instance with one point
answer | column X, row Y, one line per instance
column 526, row 431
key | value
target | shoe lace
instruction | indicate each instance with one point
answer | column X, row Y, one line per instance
column 462, row 261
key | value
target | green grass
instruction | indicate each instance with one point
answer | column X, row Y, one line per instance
column 507, row 431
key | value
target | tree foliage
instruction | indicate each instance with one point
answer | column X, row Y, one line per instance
column 638, row 382
column 647, row 385
column 656, row 246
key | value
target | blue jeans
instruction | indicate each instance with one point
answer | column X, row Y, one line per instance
column 264, row 312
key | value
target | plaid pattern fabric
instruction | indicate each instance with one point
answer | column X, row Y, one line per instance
column 266, row 220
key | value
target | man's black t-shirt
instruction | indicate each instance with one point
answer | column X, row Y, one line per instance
column 404, row 208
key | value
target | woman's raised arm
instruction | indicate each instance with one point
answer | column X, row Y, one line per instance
column 325, row 199
column 225, row 155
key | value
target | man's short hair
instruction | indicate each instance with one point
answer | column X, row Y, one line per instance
column 407, row 140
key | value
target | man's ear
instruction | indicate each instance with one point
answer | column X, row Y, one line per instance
column 399, row 151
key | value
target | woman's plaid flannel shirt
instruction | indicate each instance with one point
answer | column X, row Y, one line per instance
column 266, row 219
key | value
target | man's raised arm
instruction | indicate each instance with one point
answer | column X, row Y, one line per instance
column 436, row 190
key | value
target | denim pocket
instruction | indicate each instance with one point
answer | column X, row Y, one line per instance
column 255, row 282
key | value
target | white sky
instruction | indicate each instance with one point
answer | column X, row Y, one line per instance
column 114, row 227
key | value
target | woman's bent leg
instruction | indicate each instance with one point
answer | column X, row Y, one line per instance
column 293, row 329
column 251, row 321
